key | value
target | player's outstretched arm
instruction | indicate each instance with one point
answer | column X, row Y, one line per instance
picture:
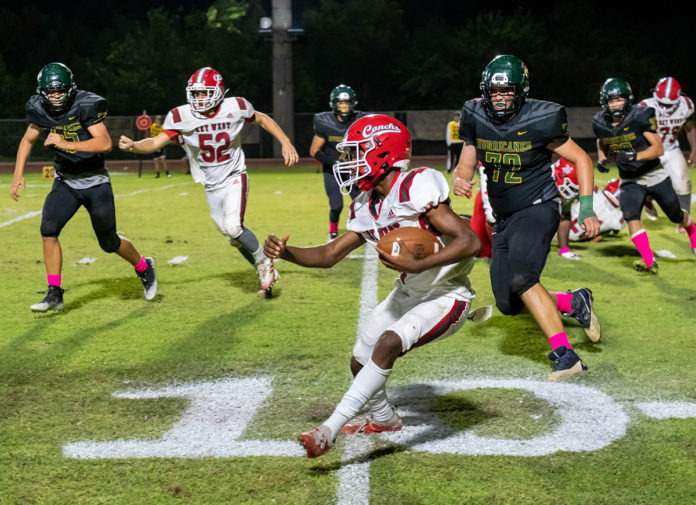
column 144, row 146
column 323, row 256
column 572, row 152
column 463, row 176
column 690, row 130
column 290, row 156
column 25, row 146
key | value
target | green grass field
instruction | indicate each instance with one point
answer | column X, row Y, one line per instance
column 199, row 395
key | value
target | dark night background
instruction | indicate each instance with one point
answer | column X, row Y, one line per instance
column 398, row 55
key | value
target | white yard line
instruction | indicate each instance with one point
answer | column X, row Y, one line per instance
column 354, row 478
column 21, row 218
column 35, row 213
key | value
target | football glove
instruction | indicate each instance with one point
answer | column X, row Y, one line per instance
column 625, row 157
column 602, row 166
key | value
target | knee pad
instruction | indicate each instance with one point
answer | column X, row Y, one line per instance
column 50, row 228
column 109, row 243
column 232, row 232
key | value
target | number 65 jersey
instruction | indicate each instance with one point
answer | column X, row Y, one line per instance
column 213, row 145
column 514, row 153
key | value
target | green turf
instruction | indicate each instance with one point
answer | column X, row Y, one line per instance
column 59, row 370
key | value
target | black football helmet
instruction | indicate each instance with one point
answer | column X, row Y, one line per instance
column 343, row 93
column 56, row 77
column 505, row 70
column 616, row 88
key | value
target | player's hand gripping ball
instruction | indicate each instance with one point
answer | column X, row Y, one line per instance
column 418, row 242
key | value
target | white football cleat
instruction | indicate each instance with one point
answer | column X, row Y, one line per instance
column 570, row 255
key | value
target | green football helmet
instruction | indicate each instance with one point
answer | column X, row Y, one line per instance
column 505, row 70
column 343, row 93
column 56, row 77
column 616, row 88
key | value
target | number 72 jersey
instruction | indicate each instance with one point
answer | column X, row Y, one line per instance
column 513, row 153
column 213, row 144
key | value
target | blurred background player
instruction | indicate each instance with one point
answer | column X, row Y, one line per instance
column 159, row 158
column 514, row 137
column 454, row 143
column 629, row 135
column 569, row 189
column 431, row 297
column 209, row 126
column 74, row 120
column 329, row 129
column 674, row 112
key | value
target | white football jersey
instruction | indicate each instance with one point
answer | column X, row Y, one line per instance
column 213, row 144
column 411, row 195
column 669, row 124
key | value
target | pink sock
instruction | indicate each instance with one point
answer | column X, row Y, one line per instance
column 53, row 280
column 640, row 239
column 141, row 266
column 564, row 250
column 564, row 301
column 558, row 340
column 691, row 230
column 333, row 227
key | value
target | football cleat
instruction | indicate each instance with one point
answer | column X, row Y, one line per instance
column 581, row 303
column 52, row 301
column 367, row 425
column 332, row 236
column 149, row 279
column 566, row 364
column 267, row 274
column 316, row 442
column 640, row 266
column 268, row 292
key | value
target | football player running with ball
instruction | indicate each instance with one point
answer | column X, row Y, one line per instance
column 629, row 135
column 74, row 120
column 431, row 297
column 209, row 129
column 514, row 138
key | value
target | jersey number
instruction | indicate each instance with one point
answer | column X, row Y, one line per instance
column 666, row 130
column 211, row 154
column 511, row 160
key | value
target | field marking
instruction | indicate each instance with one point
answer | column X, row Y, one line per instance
column 210, row 426
column 590, row 420
column 354, row 478
column 667, row 410
column 21, row 218
column 35, row 213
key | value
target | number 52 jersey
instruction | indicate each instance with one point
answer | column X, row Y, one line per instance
column 513, row 153
column 213, row 144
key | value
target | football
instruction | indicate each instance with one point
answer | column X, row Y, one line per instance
column 419, row 242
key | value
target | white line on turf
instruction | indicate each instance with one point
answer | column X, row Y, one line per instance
column 354, row 478
column 21, row 218
column 35, row 213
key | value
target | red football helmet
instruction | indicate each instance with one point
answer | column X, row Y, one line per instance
column 612, row 190
column 667, row 93
column 373, row 146
column 566, row 179
column 209, row 81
